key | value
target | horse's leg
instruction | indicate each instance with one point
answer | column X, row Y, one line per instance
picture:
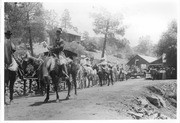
column 74, row 81
column 47, row 89
column 38, row 84
column 108, row 80
column 30, row 85
column 6, row 80
column 55, row 81
column 41, row 86
column 84, row 80
column 24, row 89
column 11, row 86
column 69, row 88
column 100, row 79
column 64, row 85
column 89, row 79
column 112, row 79
column 5, row 93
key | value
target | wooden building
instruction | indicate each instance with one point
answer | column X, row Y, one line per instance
column 141, row 61
column 71, row 35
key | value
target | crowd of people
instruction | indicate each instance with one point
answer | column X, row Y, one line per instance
column 162, row 72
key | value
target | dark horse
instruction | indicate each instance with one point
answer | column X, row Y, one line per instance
column 105, row 74
column 30, row 69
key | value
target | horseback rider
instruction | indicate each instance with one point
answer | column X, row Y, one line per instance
column 58, row 47
column 9, row 49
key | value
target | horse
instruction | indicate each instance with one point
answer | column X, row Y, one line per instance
column 102, row 74
column 52, row 69
column 30, row 67
column 73, row 68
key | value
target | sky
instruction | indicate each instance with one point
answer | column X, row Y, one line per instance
column 142, row 17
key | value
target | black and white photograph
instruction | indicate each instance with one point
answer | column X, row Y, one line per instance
column 89, row 60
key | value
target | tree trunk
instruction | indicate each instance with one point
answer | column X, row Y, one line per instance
column 105, row 39
column 30, row 41
column 30, row 37
column 104, row 45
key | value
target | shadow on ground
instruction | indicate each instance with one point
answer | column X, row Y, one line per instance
column 51, row 101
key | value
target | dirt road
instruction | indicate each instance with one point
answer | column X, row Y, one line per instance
column 107, row 102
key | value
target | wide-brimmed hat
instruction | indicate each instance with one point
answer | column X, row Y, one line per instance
column 8, row 33
column 59, row 30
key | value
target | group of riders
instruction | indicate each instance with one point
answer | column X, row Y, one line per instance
column 53, row 66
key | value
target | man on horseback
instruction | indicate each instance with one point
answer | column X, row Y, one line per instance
column 58, row 47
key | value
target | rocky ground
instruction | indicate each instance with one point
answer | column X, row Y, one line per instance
column 131, row 99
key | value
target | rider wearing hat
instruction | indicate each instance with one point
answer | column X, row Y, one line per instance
column 58, row 48
column 58, row 45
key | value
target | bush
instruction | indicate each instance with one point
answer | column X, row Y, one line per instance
column 75, row 47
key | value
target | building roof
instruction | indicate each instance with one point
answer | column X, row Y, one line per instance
column 148, row 58
column 157, row 61
column 70, row 31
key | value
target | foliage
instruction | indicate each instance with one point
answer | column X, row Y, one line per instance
column 75, row 47
column 145, row 46
column 90, row 43
column 66, row 21
column 25, row 20
column 51, row 19
column 168, row 44
column 107, row 24
column 20, row 16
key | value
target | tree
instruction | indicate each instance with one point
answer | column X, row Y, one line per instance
column 26, row 21
column 89, row 43
column 85, row 35
column 66, row 20
column 145, row 47
column 51, row 19
column 168, row 45
column 108, row 25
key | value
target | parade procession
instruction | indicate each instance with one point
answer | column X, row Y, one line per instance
column 60, row 65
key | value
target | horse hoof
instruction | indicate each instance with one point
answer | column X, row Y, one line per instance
column 46, row 100
column 67, row 98
column 11, row 102
column 6, row 103
column 57, row 101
